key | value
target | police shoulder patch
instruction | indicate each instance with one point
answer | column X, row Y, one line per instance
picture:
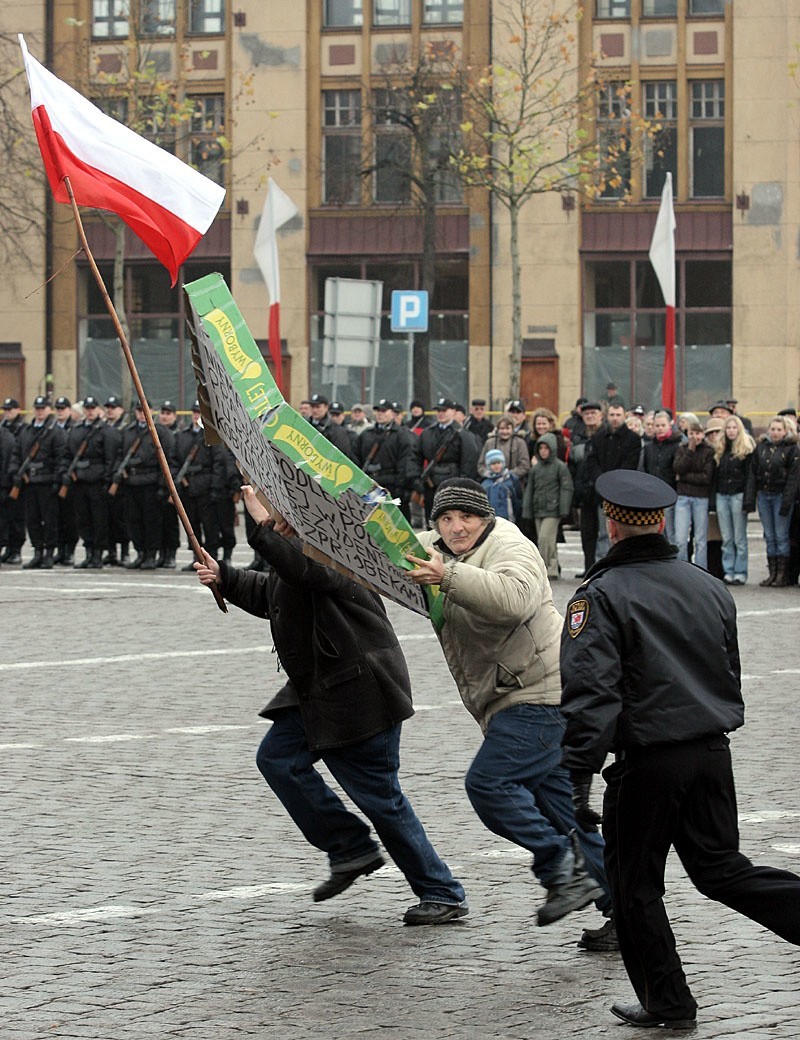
column 577, row 617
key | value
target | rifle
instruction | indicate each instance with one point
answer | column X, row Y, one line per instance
column 416, row 496
column 187, row 462
column 70, row 474
column 121, row 472
column 22, row 473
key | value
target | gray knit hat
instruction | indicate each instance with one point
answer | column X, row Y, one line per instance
column 463, row 494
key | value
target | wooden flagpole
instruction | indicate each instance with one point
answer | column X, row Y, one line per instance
column 137, row 383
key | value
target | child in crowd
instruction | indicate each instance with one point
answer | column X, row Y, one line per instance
column 548, row 498
column 502, row 487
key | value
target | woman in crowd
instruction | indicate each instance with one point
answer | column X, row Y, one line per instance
column 694, row 468
column 513, row 446
column 544, row 421
column 733, row 482
column 776, row 467
column 659, row 456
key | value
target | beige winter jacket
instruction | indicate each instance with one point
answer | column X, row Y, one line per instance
column 502, row 632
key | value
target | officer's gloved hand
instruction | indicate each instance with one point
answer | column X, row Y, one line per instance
column 585, row 816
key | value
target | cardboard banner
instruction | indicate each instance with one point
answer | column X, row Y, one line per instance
column 335, row 508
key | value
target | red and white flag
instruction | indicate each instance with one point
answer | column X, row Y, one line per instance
column 169, row 205
column 662, row 257
column 278, row 210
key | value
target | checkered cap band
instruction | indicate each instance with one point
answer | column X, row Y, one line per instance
column 635, row 517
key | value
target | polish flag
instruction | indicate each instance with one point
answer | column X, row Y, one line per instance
column 662, row 257
column 169, row 205
column 278, row 210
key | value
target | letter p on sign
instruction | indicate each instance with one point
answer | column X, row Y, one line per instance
column 409, row 311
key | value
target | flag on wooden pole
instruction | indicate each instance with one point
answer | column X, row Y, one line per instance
column 169, row 205
column 662, row 257
column 278, row 210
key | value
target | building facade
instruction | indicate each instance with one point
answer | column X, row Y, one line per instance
column 298, row 93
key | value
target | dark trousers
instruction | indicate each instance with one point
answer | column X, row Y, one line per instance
column 117, row 522
column 91, row 512
column 144, row 508
column 203, row 518
column 16, row 521
column 225, row 537
column 170, row 539
column 67, row 524
column 589, row 532
column 681, row 795
column 41, row 515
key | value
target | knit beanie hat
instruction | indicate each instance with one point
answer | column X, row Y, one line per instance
column 495, row 455
column 462, row 494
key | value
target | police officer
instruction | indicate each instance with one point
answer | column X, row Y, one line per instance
column 195, row 462
column 384, row 450
column 91, row 447
column 442, row 451
column 38, row 463
column 138, row 469
column 14, row 508
column 663, row 698
column 225, row 483
column 7, row 443
column 67, row 524
column 321, row 421
column 117, row 529
column 170, row 527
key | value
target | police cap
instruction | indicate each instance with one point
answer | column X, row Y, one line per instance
column 63, row 402
column 515, row 406
column 91, row 402
column 10, row 402
column 195, row 406
column 335, row 408
column 384, row 405
column 318, row 399
column 40, row 402
column 168, row 406
column 113, row 402
column 631, row 497
column 444, row 403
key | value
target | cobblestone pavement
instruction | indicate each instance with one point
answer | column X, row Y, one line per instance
column 152, row 885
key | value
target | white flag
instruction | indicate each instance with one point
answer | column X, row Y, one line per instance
column 278, row 210
column 662, row 246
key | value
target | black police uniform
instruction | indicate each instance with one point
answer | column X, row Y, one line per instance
column 170, row 524
column 39, row 461
column 7, row 443
column 145, row 494
column 195, row 461
column 67, row 523
column 88, row 483
column 13, row 508
column 458, row 459
column 638, row 682
column 337, row 435
column 384, row 453
column 226, row 481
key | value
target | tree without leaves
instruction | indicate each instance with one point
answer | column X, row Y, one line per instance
column 529, row 124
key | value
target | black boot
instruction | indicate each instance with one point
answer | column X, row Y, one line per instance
column 96, row 560
column 110, row 559
column 58, row 559
column 13, row 557
column 149, row 562
column 85, row 561
column 135, row 563
column 772, row 564
column 35, row 562
column 69, row 556
column 47, row 560
column 168, row 561
column 781, row 578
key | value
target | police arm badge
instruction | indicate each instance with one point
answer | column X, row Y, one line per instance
column 577, row 617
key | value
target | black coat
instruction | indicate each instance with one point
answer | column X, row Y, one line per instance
column 776, row 468
column 7, row 442
column 611, row 449
column 734, row 475
column 649, row 655
column 142, row 467
column 694, row 470
column 197, row 478
column 345, row 669
column 659, row 456
column 338, row 436
column 459, row 459
column 385, row 455
column 96, row 465
column 49, row 464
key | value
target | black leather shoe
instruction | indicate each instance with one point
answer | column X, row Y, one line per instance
column 600, row 940
column 428, row 912
column 635, row 1015
column 13, row 558
column 343, row 879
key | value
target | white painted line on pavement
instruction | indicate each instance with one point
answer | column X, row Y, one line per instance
column 793, row 850
column 201, row 730
column 768, row 613
column 126, row 658
column 110, row 738
column 11, row 747
column 251, row 891
column 768, row 815
column 96, row 913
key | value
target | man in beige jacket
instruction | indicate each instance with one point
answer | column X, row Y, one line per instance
column 501, row 638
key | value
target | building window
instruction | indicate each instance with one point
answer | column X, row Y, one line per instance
column 707, row 133
column 660, row 8
column 392, row 148
column 115, row 107
column 706, row 6
column 156, row 124
column 624, row 330
column 206, row 150
column 392, row 12
column 207, row 16
column 341, row 146
column 660, row 104
column 443, row 12
column 342, row 13
column 613, row 8
column 110, row 18
column 157, row 17
column 612, row 141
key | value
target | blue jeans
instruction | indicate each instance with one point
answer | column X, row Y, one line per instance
column 692, row 513
column 733, row 528
column 776, row 527
column 367, row 773
column 520, row 790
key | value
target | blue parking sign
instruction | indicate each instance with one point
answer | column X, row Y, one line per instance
column 409, row 311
